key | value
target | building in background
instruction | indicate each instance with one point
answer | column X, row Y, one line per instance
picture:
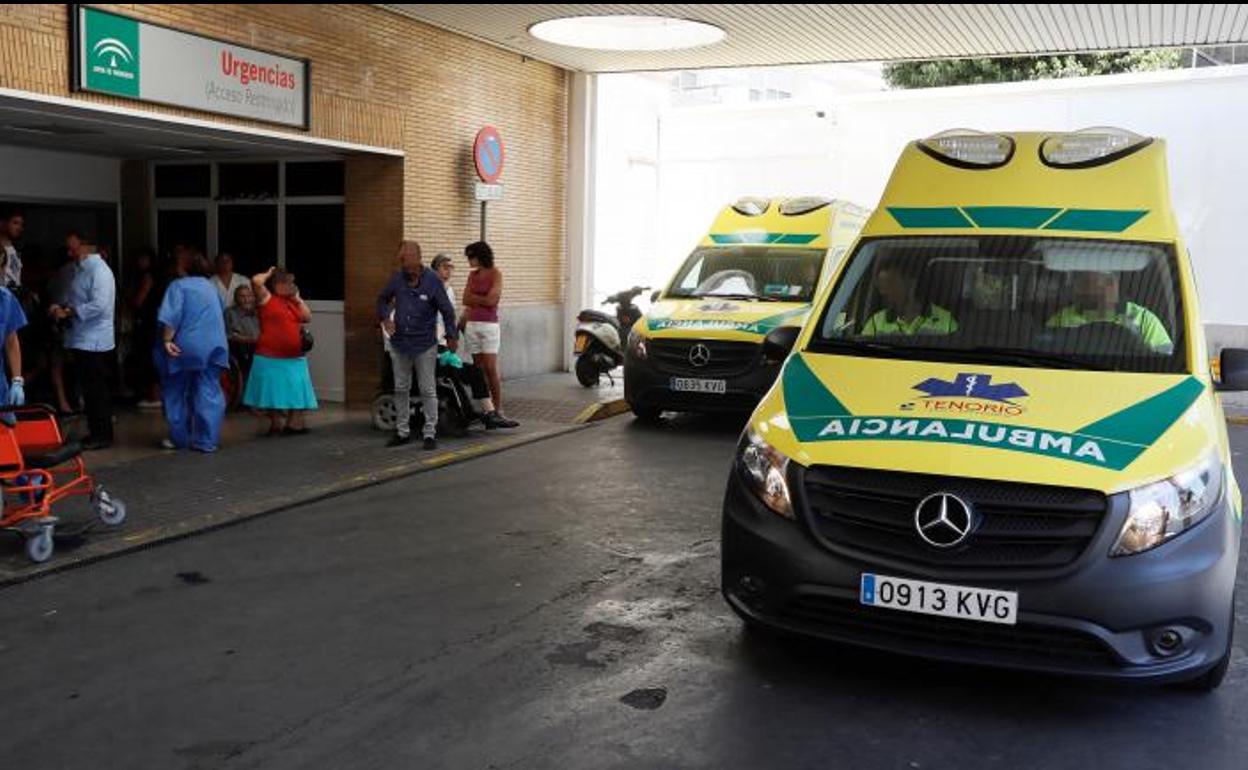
column 314, row 136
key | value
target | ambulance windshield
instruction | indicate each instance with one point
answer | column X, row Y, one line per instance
column 1046, row 302
column 754, row 272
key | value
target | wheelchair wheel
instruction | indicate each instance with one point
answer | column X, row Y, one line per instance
column 232, row 384
column 385, row 415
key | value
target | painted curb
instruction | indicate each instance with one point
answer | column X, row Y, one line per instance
column 601, row 411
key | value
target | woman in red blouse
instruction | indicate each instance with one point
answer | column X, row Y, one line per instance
column 279, row 384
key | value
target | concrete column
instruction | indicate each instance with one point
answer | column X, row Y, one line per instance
column 579, row 211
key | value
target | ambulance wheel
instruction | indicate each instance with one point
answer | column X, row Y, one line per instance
column 1211, row 679
column 109, row 509
column 586, row 370
column 385, row 415
column 39, row 547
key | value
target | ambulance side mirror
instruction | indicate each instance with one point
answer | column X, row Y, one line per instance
column 779, row 343
column 1234, row 366
column 655, row 296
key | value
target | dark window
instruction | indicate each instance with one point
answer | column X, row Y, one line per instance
column 246, row 181
column 249, row 233
column 314, row 178
column 183, row 181
column 316, row 249
column 185, row 228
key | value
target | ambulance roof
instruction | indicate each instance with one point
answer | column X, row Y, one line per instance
column 803, row 222
column 1059, row 184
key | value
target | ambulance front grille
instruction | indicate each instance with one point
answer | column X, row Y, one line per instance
column 869, row 513
column 722, row 358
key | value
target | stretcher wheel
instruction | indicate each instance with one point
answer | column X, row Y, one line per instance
column 39, row 547
column 109, row 509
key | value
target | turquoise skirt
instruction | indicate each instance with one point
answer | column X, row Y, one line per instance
column 279, row 383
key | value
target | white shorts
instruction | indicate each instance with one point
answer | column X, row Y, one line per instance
column 481, row 337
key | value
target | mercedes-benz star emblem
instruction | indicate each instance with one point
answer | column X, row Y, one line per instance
column 699, row 355
column 943, row 520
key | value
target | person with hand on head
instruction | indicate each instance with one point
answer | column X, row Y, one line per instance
column 280, row 385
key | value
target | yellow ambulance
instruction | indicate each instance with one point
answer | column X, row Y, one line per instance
column 699, row 347
column 997, row 439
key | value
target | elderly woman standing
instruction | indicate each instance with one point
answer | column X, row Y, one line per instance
column 192, row 356
column 280, row 384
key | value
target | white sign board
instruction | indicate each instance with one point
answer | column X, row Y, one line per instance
column 489, row 192
column 125, row 57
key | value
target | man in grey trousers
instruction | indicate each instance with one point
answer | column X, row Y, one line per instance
column 416, row 296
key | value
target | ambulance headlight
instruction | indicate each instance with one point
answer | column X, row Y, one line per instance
column 765, row 472
column 1089, row 147
column 637, row 345
column 967, row 148
column 1162, row 510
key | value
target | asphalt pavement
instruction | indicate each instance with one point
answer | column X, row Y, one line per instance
column 554, row 605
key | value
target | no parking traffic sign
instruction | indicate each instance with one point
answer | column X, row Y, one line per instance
column 487, row 154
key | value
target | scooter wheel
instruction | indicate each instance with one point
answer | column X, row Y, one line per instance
column 385, row 415
column 586, row 371
column 39, row 547
column 109, row 509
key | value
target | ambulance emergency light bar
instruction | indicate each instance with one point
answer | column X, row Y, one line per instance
column 967, row 148
column 1090, row 147
column 751, row 207
column 1087, row 147
column 804, row 205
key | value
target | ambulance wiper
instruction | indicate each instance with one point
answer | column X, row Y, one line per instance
column 883, row 348
column 754, row 297
column 1035, row 358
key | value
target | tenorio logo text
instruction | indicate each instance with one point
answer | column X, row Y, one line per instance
column 113, row 58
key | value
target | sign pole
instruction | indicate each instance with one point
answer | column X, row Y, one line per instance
column 488, row 156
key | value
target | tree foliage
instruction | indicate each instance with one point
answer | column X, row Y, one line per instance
column 961, row 72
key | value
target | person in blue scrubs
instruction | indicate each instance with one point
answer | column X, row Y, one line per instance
column 12, row 319
column 192, row 355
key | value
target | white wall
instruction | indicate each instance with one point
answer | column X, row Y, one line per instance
column 1201, row 113
column 710, row 157
column 625, row 182
column 648, row 219
column 58, row 176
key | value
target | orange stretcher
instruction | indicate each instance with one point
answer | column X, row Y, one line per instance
column 38, row 470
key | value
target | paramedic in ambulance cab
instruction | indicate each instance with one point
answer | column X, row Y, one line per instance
column 1098, row 299
column 905, row 312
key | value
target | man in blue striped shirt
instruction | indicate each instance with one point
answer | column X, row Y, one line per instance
column 89, row 339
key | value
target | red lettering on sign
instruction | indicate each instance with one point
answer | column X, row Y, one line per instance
column 248, row 72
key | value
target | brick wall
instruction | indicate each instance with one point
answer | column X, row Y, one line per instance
column 374, row 192
column 379, row 78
